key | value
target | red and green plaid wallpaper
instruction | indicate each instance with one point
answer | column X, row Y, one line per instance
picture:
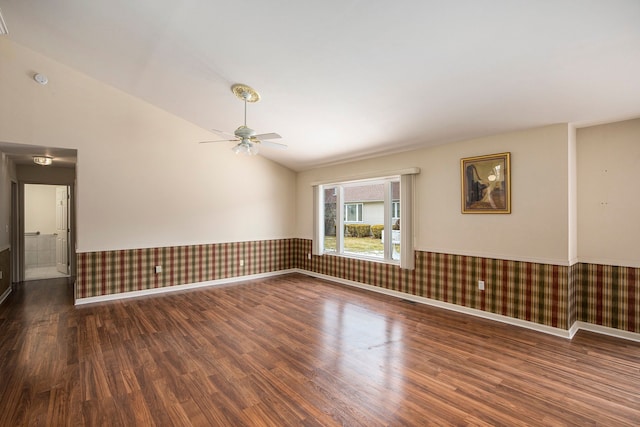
column 522, row 290
column 546, row 294
column 111, row 272
column 609, row 296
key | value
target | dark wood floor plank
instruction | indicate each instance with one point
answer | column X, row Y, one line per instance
column 294, row 350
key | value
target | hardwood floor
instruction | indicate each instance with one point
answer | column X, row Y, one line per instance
column 294, row 350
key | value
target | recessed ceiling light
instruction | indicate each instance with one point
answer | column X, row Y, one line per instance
column 42, row 160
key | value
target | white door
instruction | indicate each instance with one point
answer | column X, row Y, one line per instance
column 62, row 229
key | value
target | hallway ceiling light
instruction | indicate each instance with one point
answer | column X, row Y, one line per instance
column 42, row 160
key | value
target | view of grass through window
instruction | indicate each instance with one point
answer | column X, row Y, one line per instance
column 364, row 206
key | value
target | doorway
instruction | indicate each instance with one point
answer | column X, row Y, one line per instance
column 46, row 231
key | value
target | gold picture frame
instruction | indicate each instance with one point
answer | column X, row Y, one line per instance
column 486, row 184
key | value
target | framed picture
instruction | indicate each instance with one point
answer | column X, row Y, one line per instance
column 486, row 183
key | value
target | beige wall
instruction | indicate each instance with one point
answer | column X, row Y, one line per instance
column 7, row 173
column 142, row 179
column 40, row 208
column 32, row 174
column 537, row 228
column 608, row 194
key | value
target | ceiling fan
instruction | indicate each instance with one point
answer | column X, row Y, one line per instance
column 248, row 140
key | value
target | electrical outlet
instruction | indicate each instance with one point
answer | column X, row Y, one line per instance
column 241, row 263
column 309, row 255
column 158, row 269
column 481, row 285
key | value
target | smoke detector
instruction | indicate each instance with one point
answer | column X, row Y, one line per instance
column 41, row 78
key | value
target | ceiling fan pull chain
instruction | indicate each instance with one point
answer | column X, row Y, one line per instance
column 245, row 110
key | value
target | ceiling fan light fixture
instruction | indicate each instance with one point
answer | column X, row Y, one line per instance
column 248, row 141
column 246, row 148
column 42, row 160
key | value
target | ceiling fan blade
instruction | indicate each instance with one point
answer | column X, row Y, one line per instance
column 264, row 136
column 220, row 132
column 218, row 140
column 272, row 144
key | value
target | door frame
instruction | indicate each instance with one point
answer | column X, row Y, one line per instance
column 72, row 225
column 62, row 228
column 16, row 245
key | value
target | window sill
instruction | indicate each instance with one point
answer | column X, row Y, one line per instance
column 364, row 258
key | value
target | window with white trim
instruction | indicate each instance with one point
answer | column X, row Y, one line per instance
column 395, row 209
column 353, row 237
column 393, row 243
column 353, row 212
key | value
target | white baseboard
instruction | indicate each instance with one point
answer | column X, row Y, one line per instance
column 166, row 289
column 604, row 330
column 448, row 306
column 5, row 294
column 563, row 333
column 574, row 329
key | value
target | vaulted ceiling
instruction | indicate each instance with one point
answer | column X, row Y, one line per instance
column 346, row 79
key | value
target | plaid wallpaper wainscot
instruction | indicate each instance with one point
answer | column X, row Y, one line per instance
column 546, row 294
column 609, row 296
column 110, row 272
column 522, row 290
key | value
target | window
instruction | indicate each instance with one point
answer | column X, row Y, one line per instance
column 361, row 219
column 353, row 212
column 366, row 209
column 395, row 209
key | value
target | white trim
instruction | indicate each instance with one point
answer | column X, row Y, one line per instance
column 387, row 231
column 5, row 247
column 506, row 257
column 166, row 289
column 563, row 333
column 362, row 258
column 537, row 260
column 367, row 175
column 604, row 330
column 357, row 221
column 574, row 329
column 407, row 199
column 612, row 262
column 5, row 295
column 317, row 243
column 178, row 244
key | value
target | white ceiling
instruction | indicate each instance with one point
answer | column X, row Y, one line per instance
column 343, row 79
